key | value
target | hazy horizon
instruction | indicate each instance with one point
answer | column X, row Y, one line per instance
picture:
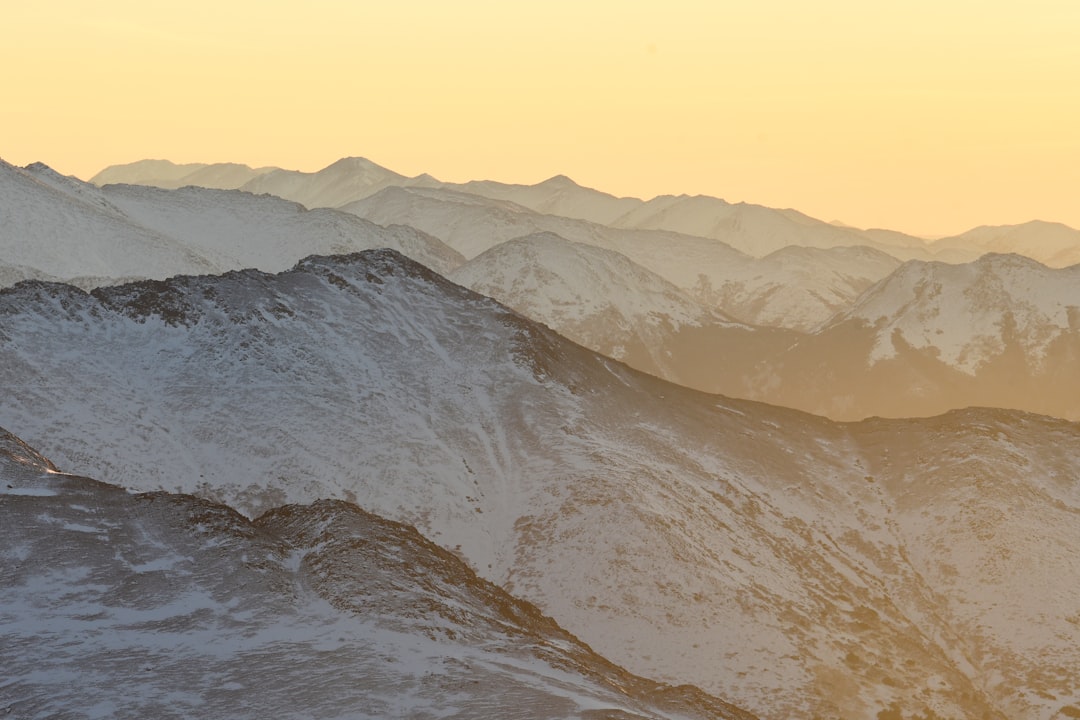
column 930, row 120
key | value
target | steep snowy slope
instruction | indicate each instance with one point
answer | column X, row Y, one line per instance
column 796, row 566
column 60, row 227
column 63, row 228
column 158, row 605
column 1052, row 244
column 1003, row 331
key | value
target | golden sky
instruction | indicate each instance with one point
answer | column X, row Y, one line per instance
column 929, row 116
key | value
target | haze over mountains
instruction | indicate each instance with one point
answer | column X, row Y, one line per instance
column 789, row 564
column 752, row 229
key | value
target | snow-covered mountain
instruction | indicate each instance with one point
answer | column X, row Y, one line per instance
column 310, row 611
column 1003, row 331
column 60, row 227
column 64, row 228
column 1050, row 243
column 595, row 297
column 796, row 566
column 239, row 230
column 795, row 287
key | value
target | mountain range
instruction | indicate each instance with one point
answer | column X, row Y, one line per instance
column 792, row 565
column 57, row 227
column 753, row 229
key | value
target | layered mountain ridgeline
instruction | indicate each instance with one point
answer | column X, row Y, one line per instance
column 999, row 332
column 59, row 227
column 796, row 566
column 753, row 229
column 797, row 288
column 163, row 605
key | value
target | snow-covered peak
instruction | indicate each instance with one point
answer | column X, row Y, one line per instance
column 593, row 296
column 968, row 314
column 556, row 281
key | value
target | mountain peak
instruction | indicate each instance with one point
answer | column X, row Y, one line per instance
column 354, row 164
column 560, row 181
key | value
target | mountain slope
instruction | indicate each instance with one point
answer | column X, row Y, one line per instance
column 240, row 230
column 795, row 287
column 310, row 611
column 1003, row 331
column 66, row 229
column 592, row 296
column 609, row 304
column 60, row 227
column 795, row 565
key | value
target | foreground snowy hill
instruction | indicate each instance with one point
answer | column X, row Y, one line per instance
column 59, row 227
column 310, row 611
column 796, row 566
column 1003, row 331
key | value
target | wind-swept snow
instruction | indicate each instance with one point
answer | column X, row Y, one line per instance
column 155, row 605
